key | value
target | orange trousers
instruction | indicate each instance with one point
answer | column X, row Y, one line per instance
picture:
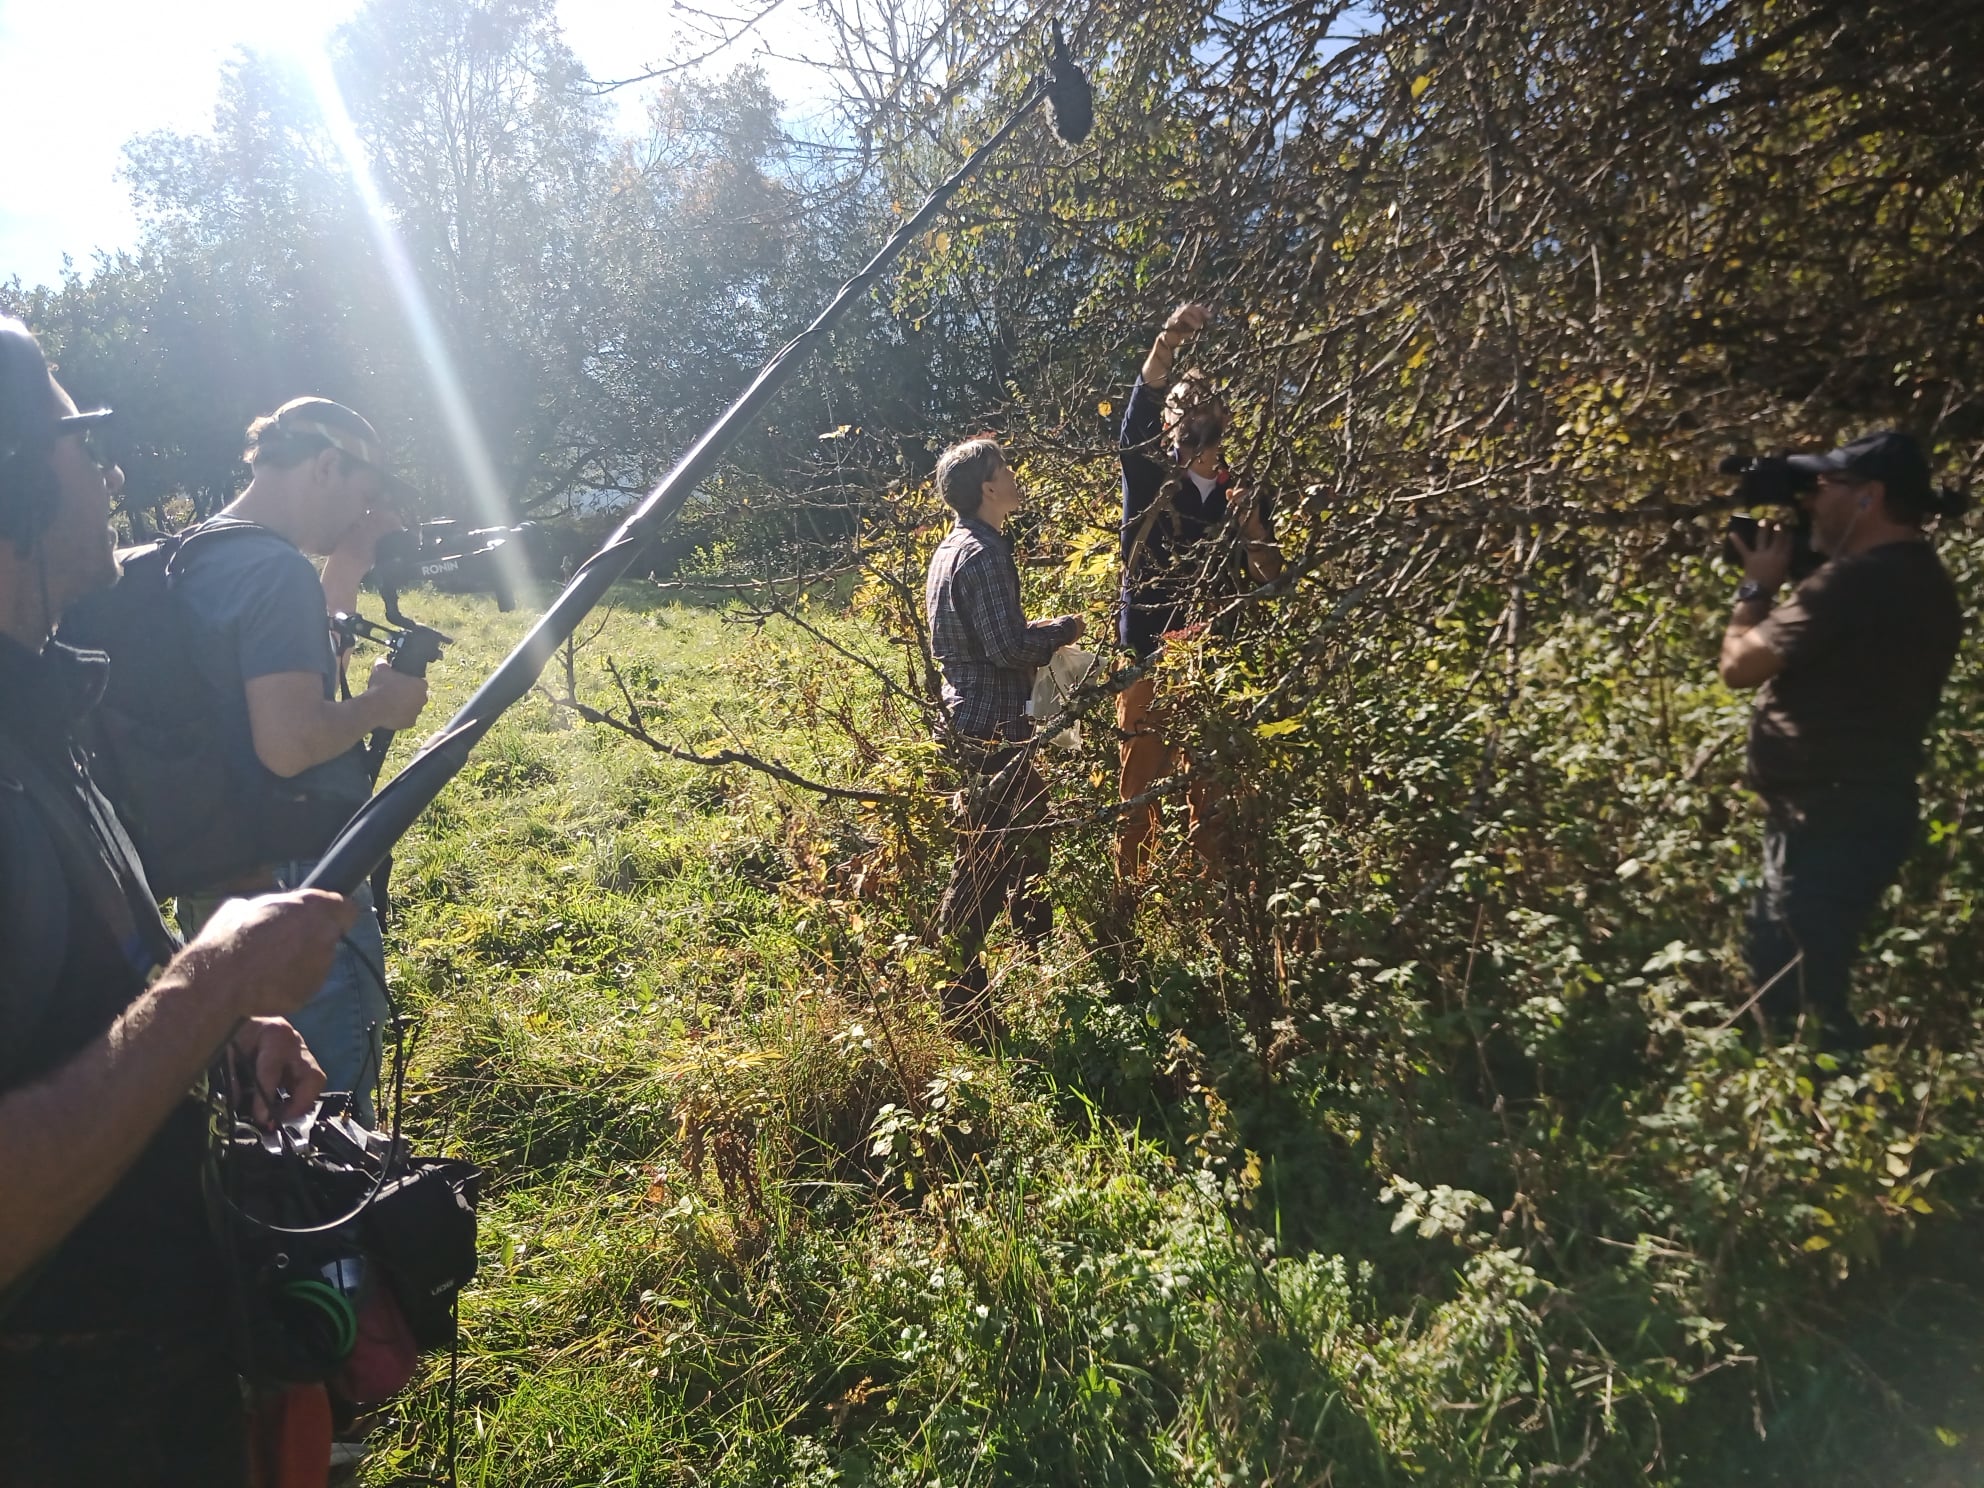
column 292, row 1438
column 1147, row 757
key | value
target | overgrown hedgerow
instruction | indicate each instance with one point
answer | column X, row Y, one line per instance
column 1482, row 1188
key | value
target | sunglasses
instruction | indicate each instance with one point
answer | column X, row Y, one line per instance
column 92, row 431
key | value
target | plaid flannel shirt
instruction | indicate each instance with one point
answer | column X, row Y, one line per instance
column 986, row 646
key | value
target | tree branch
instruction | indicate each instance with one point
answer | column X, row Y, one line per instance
column 637, row 730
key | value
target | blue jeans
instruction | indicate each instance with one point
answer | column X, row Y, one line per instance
column 345, row 1023
column 1829, row 855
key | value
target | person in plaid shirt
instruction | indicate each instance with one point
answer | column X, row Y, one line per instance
column 989, row 652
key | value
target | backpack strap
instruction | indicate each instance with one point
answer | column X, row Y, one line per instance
column 177, row 544
column 121, row 904
column 139, row 932
column 169, row 551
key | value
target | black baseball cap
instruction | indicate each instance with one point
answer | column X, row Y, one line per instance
column 344, row 429
column 1887, row 455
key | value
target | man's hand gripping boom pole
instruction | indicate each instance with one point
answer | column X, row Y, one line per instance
column 371, row 833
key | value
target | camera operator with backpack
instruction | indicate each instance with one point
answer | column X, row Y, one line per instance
column 115, row 1366
column 319, row 487
column 1848, row 671
column 223, row 739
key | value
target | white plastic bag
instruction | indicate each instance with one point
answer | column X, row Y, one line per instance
column 1053, row 684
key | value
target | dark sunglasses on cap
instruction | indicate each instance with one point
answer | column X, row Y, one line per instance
column 92, row 429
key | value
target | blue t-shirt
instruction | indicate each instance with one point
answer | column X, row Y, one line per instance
column 258, row 609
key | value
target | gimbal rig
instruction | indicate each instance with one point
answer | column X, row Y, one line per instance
column 473, row 558
column 410, row 648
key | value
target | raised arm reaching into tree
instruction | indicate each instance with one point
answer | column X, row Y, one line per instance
column 1179, row 327
column 1184, row 522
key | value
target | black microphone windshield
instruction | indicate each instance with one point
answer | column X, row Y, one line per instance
column 1070, row 104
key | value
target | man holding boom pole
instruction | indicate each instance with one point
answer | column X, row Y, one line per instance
column 116, row 1358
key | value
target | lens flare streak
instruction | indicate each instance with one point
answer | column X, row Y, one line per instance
column 485, row 488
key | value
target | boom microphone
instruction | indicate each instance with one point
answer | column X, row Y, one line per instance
column 1070, row 104
column 369, row 836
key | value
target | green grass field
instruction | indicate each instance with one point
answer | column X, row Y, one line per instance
column 754, row 1218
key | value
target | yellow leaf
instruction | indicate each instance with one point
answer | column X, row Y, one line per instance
column 1279, row 727
column 1948, row 1437
column 1817, row 1242
column 1105, row 408
column 1421, row 83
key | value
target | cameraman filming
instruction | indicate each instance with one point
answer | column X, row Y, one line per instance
column 1849, row 670
column 319, row 485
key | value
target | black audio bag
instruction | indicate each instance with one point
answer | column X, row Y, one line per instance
column 317, row 1214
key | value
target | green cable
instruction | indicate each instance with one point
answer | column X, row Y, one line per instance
column 335, row 1306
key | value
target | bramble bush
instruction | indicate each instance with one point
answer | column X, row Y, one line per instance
column 1423, row 1145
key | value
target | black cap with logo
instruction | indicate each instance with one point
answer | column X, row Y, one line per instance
column 1887, row 455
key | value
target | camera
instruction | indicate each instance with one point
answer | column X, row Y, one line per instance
column 1771, row 480
column 1768, row 480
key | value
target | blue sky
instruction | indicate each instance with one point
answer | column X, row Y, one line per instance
column 77, row 80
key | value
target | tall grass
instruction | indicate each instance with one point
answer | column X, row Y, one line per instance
column 754, row 1217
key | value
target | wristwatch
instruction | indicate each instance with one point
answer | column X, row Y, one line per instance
column 1751, row 589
